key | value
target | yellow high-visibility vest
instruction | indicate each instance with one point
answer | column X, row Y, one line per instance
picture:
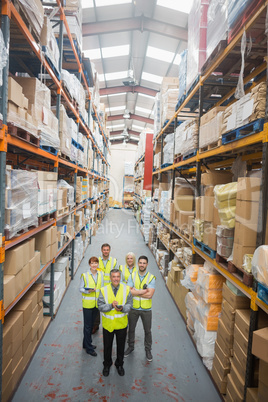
column 114, row 319
column 125, row 271
column 139, row 301
column 111, row 263
column 89, row 300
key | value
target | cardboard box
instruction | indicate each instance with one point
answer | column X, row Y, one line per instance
column 238, row 379
column 54, row 250
column 237, row 302
column 220, row 382
column 34, row 265
column 228, row 310
column 228, row 322
column 223, row 357
column 231, row 387
column 25, row 306
column 175, row 273
column 241, row 339
column 211, row 114
column 9, row 290
column 240, row 353
column 262, row 392
column 43, row 239
column 170, row 284
column 6, row 375
column 36, row 324
column 242, row 320
column 26, row 341
column 209, row 208
column 15, row 94
column 39, row 287
column 17, row 373
column 220, row 367
column 247, row 212
column 13, row 325
column 225, row 335
column 260, row 344
column 212, row 239
column 31, row 295
column 179, row 296
column 198, row 208
column 183, row 219
column 27, row 327
column 14, row 260
column 27, row 355
column 184, row 202
column 241, row 368
column 263, row 372
column 16, row 343
column 245, row 235
column 239, row 252
column 16, row 358
column 248, row 189
column 212, row 178
column 252, row 395
column 25, row 275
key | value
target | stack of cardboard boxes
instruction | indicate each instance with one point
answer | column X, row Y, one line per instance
column 22, row 329
column 224, row 347
column 46, row 242
column 169, row 97
column 47, row 192
column 260, row 349
column 211, row 127
column 182, row 208
column 22, row 263
column 246, row 218
column 178, row 292
column 66, row 228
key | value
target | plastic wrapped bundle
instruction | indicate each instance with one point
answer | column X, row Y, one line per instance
column 129, row 168
column 186, row 137
column 49, row 43
column 169, row 102
column 190, row 276
column 236, row 9
column 208, row 314
column 225, row 201
column 182, row 74
column 211, row 131
column 205, row 340
column 70, row 192
column 247, row 263
column 209, row 280
column 191, row 303
column 4, row 57
column 157, row 114
column 260, row 265
column 34, row 11
column 168, row 151
column 217, row 24
column 64, row 132
column 21, row 201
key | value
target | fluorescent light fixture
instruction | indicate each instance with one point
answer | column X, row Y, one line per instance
column 115, row 51
column 113, row 109
column 137, row 127
column 115, row 126
column 143, row 110
column 103, row 3
column 216, row 96
column 183, row 6
column 113, row 76
column 93, row 54
column 152, row 78
column 111, row 95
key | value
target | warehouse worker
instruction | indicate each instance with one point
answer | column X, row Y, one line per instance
column 114, row 302
column 142, row 286
column 90, row 285
column 129, row 267
column 106, row 264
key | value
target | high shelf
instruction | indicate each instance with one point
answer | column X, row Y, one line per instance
column 249, row 144
column 74, row 211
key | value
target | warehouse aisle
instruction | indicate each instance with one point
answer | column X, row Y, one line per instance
column 62, row 371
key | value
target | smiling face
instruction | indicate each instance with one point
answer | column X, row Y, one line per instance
column 142, row 265
column 105, row 252
column 130, row 261
column 115, row 278
column 93, row 266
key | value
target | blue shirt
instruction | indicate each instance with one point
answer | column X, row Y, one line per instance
column 150, row 285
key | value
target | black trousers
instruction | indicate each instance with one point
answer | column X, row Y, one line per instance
column 89, row 318
column 108, row 338
column 97, row 320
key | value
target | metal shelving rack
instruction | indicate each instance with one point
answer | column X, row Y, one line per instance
column 51, row 162
column 253, row 149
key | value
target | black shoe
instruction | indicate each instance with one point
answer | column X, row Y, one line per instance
column 106, row 371
column 91, row 352
column 120, row 370
column 94, row 346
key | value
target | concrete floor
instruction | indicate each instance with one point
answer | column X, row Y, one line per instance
column 61, row 370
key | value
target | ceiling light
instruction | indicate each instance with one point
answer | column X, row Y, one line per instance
column 126, row 115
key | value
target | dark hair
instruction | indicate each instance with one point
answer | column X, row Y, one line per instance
column 93, row 259
column 143, row 257
column 114, row 271
column 105, row 245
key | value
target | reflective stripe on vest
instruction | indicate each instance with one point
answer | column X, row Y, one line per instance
column 106, row 270
column 113, row 319
column 125, row 271
column 89, row 300
column 139, row 301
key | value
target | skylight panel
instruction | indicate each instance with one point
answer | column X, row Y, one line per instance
column 113, row 76
column 116, row 126
column 93, row 54
column 147, row 96
column 103, row 3
column 143, row 110
column 160, row 54
column 115, row 51
column 152, row 78
column 115, row 108
column 137, row 127
column 177, row 5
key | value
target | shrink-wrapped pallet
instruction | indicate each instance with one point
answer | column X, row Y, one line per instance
column 168, row 150
column 260, row 265
column 217, row 26
column 49, row 43
column 34, row 12
column 182, row 74
column 225, row 201
column 211, row 132
column 186, row 137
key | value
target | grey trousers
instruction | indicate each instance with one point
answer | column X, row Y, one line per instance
column 146, row 317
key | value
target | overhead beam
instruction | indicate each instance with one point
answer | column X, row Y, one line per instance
column 132, row 117
column 118, row 132
column 122, row 89
column 137, row 23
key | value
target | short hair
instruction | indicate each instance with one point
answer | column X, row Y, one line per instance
column 105, row 245
column 132, row 255
column 93, row 259
column 143, row 257
column 115, row 271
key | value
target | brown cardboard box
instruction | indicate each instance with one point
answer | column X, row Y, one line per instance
column 245, row 235
column 248, row 189
column 25, row 275
column 212, row 178
column 228, row 322
column 36, row 324
column 260, row 344
column 13, row 325
column 27, row 355
column 35, row 313
column 27, row 327
column 239, row 366
column 7, row 354
column 54, row 250
column 15, row 94
column 239, row 252
column 179, row 296
column 170, row 284
column 220, row 382
column 241, row 355
column 211, row 114
column 228, row 310
column 32, row 295
column 238, row 380
column 16, row 358
column 26, row 342
column 209, row 204
column 184, row 202
column 16, row 373
column 237, row 302
column 9, row 289
column 31, row 244
column 16, row 343
column 252, row 395
column 263, row 372
column 34, row 264
column 223, row 333
column 45, row 254
column 39, row 287
column 216, row 219
column 183, row 219
column 247, row 212
column 231, row 387
column 6, row 375
column 198, row 208
column 54, row 234
column 223, row 357
column 43, row 239
column 14, row 260
column 242, row 320
column 212, row 239
column 175, row 273
column 25, row 306
column 262, row 392
column 241, row 339
column 220, row 367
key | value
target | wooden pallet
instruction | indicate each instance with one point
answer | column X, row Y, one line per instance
column 46, row 218
column 20, row 232
column 65, row 157
column 178, row 158
column 23, row 134
column 211, row 146
column 62, row 211
column 240, row 274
